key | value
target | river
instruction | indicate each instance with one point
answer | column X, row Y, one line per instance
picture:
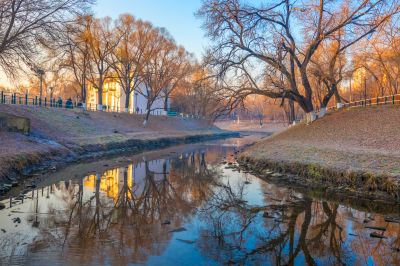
column 188, row 205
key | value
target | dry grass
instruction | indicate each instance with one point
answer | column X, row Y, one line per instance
column 59, row 132
column 66, row 126
column 356, row 140
column 18, row 151
column 251, row 126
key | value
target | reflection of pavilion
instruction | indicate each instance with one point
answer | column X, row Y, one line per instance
column 112, row 181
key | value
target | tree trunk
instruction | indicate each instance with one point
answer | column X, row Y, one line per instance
column 127, row 100
column 166, row 103
column 328, row 97
column 307, row 106
column 337, row 97
column 292, row 114
column 100, row 97
column 83, row 88
column 83, row 95
column 309, row 110
column 148, row 106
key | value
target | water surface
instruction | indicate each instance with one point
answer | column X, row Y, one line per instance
column 187, row 205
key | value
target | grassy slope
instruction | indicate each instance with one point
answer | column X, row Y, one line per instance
column 359, row 140
column 58, row 132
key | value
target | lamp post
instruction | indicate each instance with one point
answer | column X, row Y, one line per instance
column 40, row 73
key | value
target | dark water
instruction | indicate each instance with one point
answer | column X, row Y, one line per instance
column 182, row 206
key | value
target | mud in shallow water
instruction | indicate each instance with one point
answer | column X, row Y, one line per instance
column 187, row 206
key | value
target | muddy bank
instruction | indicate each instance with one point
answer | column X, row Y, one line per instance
column 176, row 199
column 27, row 165
column 351, row 151
column 59, row 136
column 336, row 184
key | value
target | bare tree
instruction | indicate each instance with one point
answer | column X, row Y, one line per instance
column 201, row 95
column 377, row 64
column 133, row 50
column 281, row 39
column 102, row 44
column 327, row 69
column 182, row 67
column 158, row 71
column 25, row 25
column 77, row 59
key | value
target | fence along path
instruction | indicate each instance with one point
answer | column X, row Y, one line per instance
column 381, row 100
column 26, row 99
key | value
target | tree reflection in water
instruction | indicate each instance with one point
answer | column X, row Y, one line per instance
column 130, row 219
column 126, row 215
column 300, row 232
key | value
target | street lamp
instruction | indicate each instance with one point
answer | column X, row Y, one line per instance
column 40, row 73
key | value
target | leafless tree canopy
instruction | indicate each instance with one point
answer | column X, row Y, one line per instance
column 76, row 56
column 128, row 58
column 102, row 43
column 161, row 69
column 270, row 46
column 202, row 95
column 26, row 24
column 133, row 53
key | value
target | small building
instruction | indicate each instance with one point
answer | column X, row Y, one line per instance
column 114, row 99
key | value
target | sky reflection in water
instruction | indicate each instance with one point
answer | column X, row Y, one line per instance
column 189, row 209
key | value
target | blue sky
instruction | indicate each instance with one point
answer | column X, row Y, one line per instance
column 175, row 15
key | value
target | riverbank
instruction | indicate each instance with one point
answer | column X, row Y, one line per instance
column 58, row 137
column 251, row 126
column 166, row 195
column 353, row 151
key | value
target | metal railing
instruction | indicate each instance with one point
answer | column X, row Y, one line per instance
column 25, row 99
column 375, row 101
column 29, row 100
column 106, row 108
column 383, row 100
